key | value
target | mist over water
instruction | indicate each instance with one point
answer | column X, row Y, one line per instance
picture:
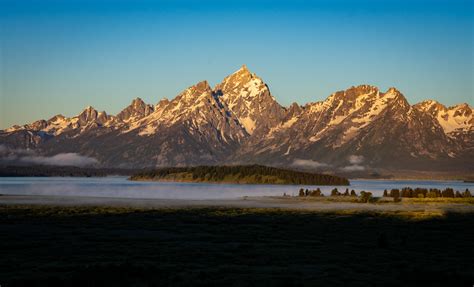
column 120, row 187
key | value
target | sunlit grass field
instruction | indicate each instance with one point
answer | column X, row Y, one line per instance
column 92, row 246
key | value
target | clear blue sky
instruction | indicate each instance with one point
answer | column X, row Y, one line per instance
column 60, row 56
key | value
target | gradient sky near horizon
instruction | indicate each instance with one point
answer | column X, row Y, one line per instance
column 60, row 56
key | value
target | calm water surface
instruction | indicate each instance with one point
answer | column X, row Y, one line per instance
column 120, row 187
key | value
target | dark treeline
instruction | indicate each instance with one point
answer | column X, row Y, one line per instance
column 47, row 171
column 409, row 192
column 258, row 172
column 397, row 194
column 364, row 196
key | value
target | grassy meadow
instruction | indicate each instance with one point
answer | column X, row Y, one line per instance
column 93, row 246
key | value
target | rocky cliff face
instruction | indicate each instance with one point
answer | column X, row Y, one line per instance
column 250, row 100
column 135, row 111
column 362, row 121
column 239, row 121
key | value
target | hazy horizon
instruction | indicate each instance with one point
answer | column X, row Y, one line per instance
column 61, row 57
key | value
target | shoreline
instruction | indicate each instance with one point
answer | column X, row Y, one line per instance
column 412, row 207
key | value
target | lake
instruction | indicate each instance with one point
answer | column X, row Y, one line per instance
column 120, row 187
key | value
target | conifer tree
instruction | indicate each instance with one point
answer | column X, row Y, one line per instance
column 301, row 193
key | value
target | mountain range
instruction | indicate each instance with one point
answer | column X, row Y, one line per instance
column 240, row 122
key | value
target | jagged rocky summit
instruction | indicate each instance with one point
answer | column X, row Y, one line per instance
column 240, row 122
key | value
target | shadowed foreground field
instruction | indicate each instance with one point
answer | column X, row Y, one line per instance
column 95, row 246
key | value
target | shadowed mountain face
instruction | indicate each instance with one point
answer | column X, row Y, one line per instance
column 240, row 122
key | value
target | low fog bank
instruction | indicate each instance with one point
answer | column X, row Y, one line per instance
column 10, row 156
column 120, row 187
column 355, row 163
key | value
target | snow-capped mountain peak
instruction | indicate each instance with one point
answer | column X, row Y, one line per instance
column 89, row 114
column 240, row 121
column 137, row 110
column 241, row 79
column 455, row 119
column 249, row 98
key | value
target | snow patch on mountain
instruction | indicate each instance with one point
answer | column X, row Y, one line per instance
column 239, row 120
column 455, row 119
column 249, row 124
